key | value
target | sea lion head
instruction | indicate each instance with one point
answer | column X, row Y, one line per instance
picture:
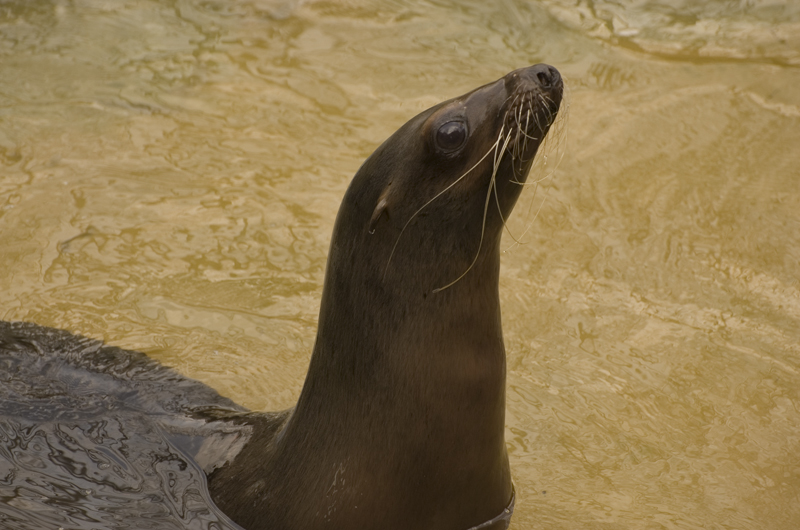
column 446, row 181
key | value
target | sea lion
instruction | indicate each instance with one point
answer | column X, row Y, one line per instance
column 400, row 423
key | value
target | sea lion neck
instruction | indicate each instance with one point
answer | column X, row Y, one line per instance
column 422, row 331
column 396, row 370
column 374, row 402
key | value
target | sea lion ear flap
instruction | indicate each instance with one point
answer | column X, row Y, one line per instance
column 380, row 209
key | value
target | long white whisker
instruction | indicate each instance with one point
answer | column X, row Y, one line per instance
column 536, row 215
column 485, row 211
column 554, row 143
column 391, row 255
column 497, row 196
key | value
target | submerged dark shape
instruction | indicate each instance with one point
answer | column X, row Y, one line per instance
column 400, row 423
column 93, row 437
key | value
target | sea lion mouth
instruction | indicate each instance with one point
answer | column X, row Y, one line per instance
column 536, row 94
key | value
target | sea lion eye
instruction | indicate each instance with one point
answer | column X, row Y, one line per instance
column 451, row 136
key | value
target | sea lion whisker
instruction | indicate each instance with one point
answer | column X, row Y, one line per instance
column 525, row 130
column 510, row 108
column 560, row 131
column 514, row 102
column 504, row 103
column 538, row 119
column 515, row 180
column 391, row 254
column 520, row 147
column 528, row 136
column 485, row 212
column 498, row 155
column 547, row 104
column 528, row 223
column 511, row 131
column 493, row 182
column 554, row 141
column 535, row 216
column 496, row 145
column 493, row 185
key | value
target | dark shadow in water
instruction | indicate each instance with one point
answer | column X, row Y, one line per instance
column 95, row 437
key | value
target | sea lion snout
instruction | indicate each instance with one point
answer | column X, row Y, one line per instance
column 540, row 75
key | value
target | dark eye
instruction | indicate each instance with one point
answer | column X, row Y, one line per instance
column 451, row 135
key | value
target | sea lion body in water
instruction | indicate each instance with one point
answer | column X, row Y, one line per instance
column 400, row 423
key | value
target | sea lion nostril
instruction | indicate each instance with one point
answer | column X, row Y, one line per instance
column 547, row 76
column 542, row 75
column 544, row 79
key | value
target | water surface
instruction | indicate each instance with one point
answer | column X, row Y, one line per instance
column 170, row 172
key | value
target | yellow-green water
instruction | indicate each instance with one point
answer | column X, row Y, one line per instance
column 170, row 173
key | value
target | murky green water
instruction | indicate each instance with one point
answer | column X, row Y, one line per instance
column 170, row 173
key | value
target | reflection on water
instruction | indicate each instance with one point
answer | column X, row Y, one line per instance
column 761, row 30
column 170, row 172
